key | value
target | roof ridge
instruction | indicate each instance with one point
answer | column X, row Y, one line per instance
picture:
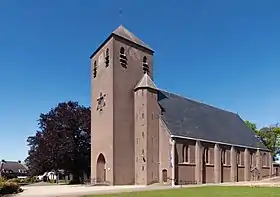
column 201, row 102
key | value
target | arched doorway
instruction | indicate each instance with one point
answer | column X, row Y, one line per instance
column 100, row 169
column 164, row 175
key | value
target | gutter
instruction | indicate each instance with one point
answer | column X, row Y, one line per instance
column 217, row 142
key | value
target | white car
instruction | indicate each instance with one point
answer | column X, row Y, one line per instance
column 49, row 175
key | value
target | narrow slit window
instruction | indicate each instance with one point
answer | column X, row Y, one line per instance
column 94, row 69
column 107, row 58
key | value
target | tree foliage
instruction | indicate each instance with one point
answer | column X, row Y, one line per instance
column 270, row 136
column 62, row 141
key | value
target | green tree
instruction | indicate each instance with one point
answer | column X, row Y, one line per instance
column 252, row 126
column 62, row 141
column 270, row 137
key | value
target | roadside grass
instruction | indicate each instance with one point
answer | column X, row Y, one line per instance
column 207, row 191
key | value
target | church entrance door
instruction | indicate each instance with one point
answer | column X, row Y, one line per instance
column 100, row 169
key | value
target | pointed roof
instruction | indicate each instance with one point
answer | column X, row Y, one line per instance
column 122, row 32
column 146, row 82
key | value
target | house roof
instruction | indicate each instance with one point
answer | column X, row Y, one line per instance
column 146, row 82
column 122, row 32
column 188, row 118
column 12, row 165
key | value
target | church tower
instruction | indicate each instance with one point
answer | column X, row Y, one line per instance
column 146, row 132
column 117, row 66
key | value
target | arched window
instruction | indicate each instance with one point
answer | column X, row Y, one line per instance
column 122, row 50
column 144, row 59
column 264, row 159
column 251, row 159
column 238, row 160
column 185, row 153
column 206, row 155
column 145, row 65
column 223, row 155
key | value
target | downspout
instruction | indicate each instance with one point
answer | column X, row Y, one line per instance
column 173, row 161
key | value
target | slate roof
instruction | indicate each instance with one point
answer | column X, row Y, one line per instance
column 12, row 165
column 188, row 118
column 146, row 82
column 122, row 32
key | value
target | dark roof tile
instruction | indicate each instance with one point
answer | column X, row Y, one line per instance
column 188, row 118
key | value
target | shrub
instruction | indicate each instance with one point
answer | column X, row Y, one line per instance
column 14, row 180
column 8, row 187
column 2, row 179
column 52, row 181
column 27, row 180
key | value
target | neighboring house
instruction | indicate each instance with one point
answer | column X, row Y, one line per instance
column 13, row 169
column 143, row 135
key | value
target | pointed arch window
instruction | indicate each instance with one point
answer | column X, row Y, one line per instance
column 264, row 159
column 251, row 159
column 238, row 158
column 223, row 156
column 145, row 65
column 123, row 58
column 185, row 153
column 206, row 155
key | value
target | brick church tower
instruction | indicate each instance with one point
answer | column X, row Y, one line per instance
column 121, row 70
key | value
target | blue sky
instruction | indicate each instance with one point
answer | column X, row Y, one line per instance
column 224, row 53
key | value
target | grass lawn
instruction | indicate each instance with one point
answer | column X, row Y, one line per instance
column 203, row 192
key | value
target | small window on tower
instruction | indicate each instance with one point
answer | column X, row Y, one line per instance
column 123, row 58
column 145, row 65
column 94, row 69
column 107, row 61
column 142, row 115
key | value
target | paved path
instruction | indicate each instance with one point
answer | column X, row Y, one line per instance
column 74, row 191
column 79, row 190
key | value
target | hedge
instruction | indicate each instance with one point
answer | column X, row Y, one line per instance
column 8, row 187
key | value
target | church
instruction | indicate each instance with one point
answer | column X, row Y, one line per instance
column 142, row 135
